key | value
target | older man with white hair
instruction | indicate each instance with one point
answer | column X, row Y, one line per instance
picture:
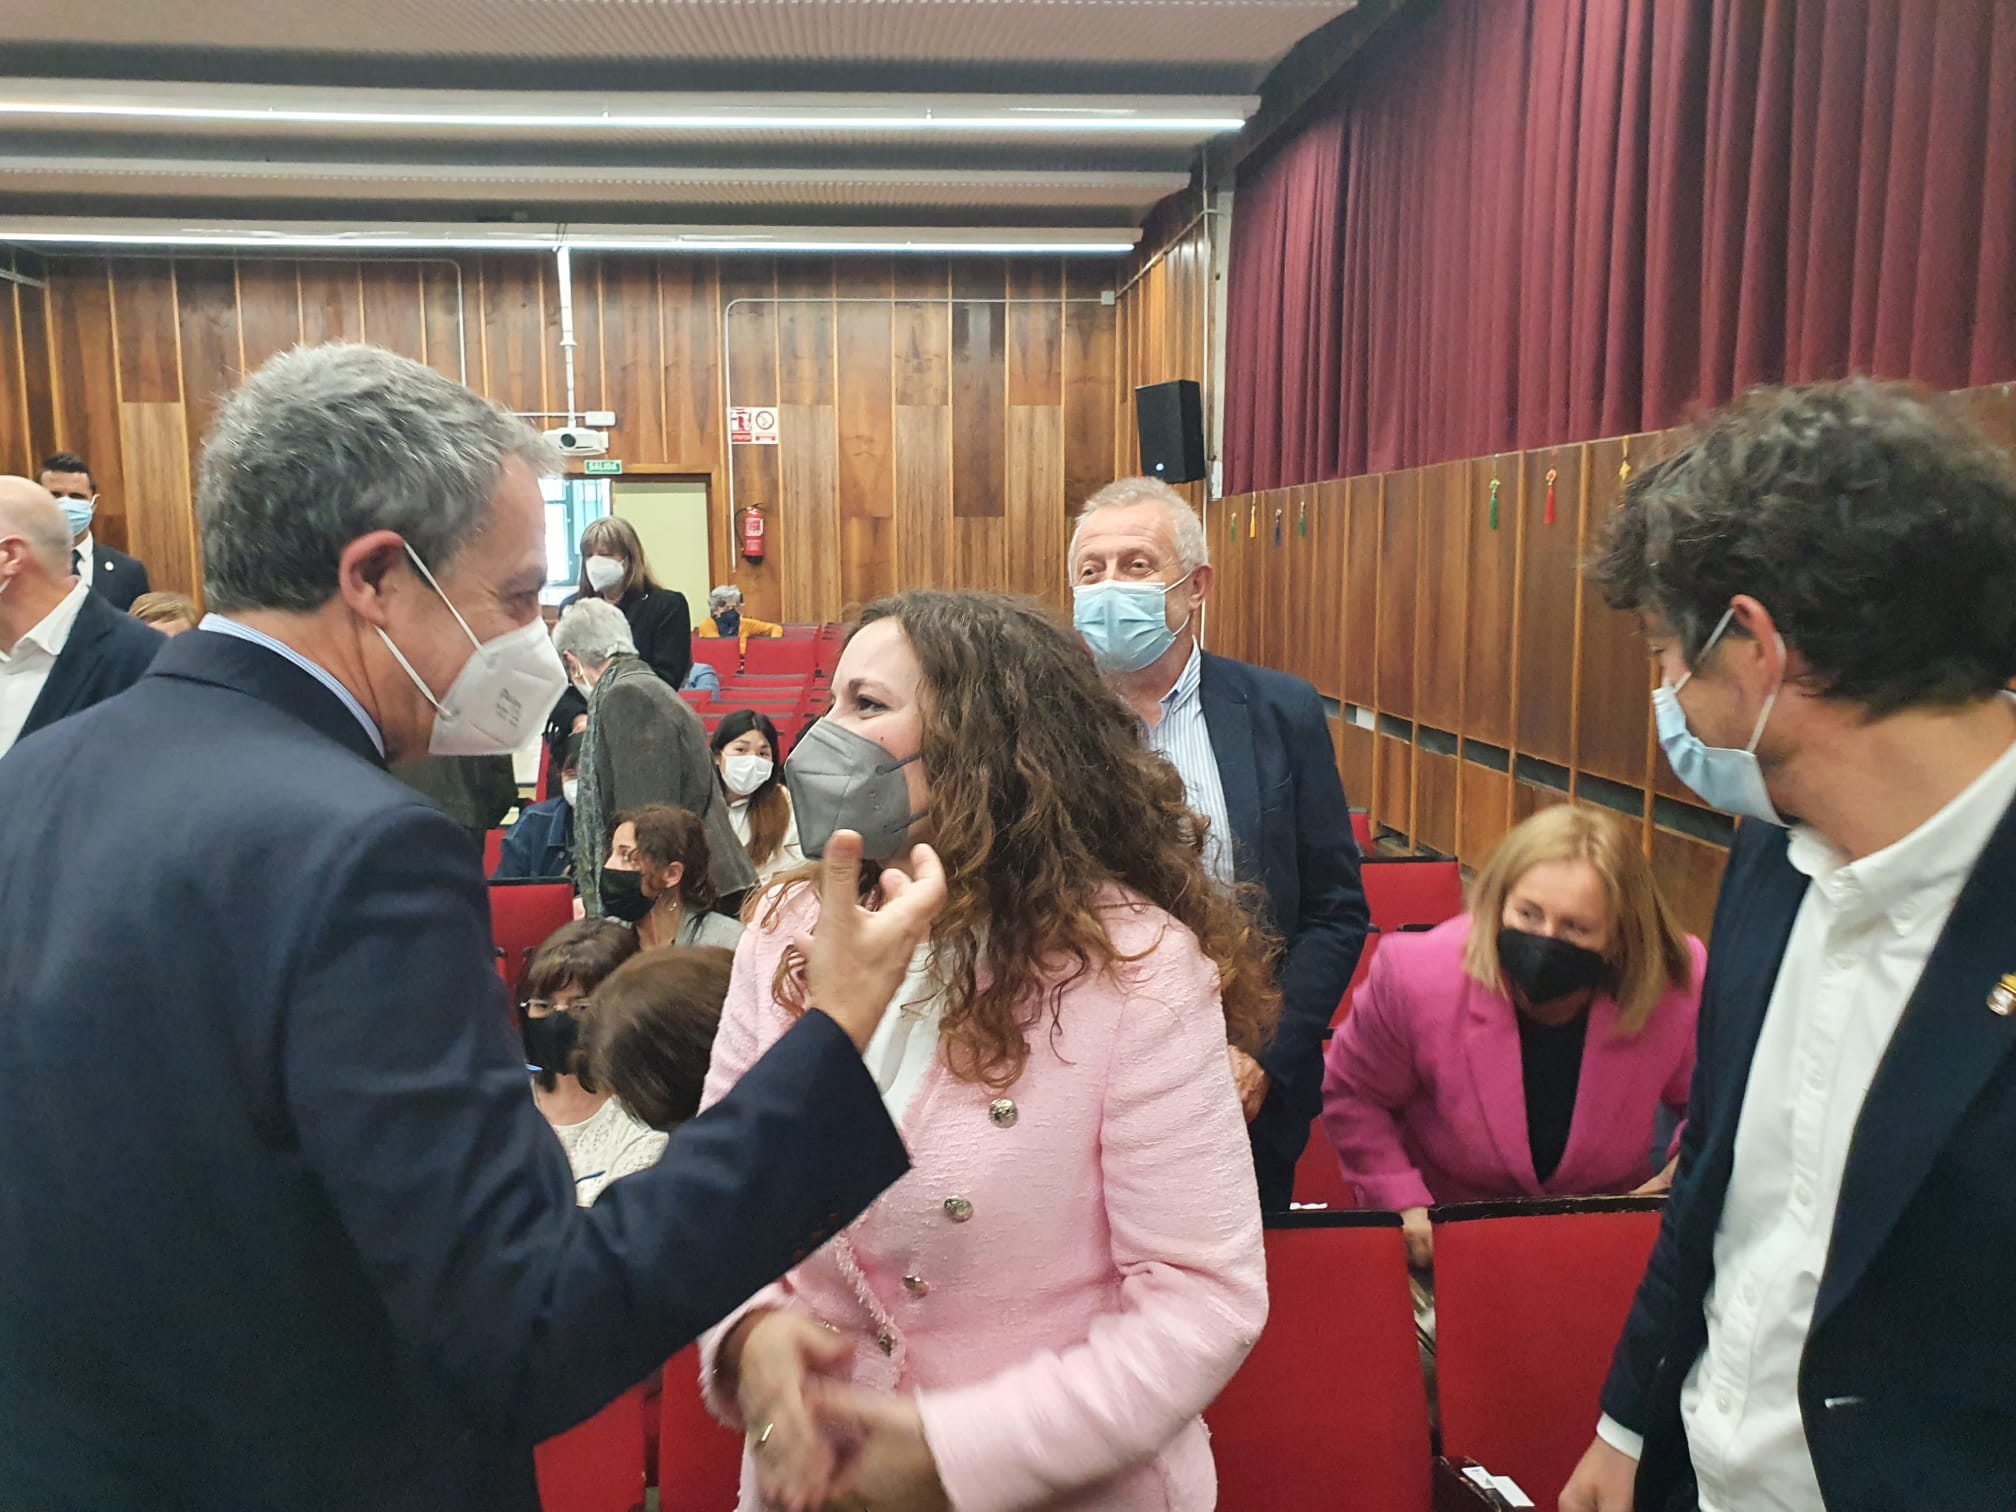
column 1253, row 749
column 643, row 744
column 61, row 649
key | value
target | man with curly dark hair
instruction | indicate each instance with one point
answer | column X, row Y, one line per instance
column 1827, row 579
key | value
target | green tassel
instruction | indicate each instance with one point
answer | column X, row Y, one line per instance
column 1302, row 520
column 1494, row 503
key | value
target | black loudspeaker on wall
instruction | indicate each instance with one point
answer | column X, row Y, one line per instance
column 1170, row 418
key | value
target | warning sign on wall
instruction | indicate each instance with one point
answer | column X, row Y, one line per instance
column 752, row 425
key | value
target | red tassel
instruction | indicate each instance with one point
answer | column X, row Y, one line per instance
column 1551, row 476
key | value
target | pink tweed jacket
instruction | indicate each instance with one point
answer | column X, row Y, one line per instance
column 1073, row 1269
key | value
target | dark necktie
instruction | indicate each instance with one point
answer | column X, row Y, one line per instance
column 76, row 561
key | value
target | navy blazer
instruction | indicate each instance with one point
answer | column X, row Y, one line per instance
column 280, row 1226
column 116, row 577
column 107, row 652
column 1291, row 831
column 1908, row 1381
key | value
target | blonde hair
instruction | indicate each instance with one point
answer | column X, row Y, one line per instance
column 164, row 608
column 1648, row 949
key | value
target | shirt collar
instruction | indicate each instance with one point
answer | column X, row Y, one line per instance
column 84, row 548
column 51, row 633
column 1188, row 683
column 1937, row 855
column 222, row 626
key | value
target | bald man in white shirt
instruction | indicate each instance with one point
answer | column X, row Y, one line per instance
column 1827, row 578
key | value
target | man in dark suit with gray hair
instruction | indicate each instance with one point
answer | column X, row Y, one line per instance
column 280, row 1226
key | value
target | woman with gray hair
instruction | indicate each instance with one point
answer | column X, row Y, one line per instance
column 725, row 618
column 643, row 745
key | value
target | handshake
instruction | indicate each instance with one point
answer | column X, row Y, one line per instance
column 818, row 1443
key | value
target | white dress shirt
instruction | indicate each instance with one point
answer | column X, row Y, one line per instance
column 788, row 856
column 25, row 669
column 1183, row 739
column 219, row 625
column 905, row 1043
column 1858, row 946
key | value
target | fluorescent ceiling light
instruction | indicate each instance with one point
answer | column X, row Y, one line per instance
column 347, row 241
column 1017, row 121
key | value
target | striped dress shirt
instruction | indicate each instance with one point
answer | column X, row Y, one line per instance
column 1184, row 740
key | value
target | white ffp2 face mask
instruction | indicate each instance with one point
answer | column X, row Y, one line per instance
column 503, row 693
column 604, row 573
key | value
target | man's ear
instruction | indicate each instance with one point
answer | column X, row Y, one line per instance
column 368, row 575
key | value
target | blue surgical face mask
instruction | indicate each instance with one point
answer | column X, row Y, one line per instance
column 1721, row 776
column 79, row 512
column 1126, row 625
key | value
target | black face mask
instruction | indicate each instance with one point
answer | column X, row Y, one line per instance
column 1545, row 970
column 550, row 1041
column 622, row 894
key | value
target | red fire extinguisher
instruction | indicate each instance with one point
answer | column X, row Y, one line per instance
column 752, row 533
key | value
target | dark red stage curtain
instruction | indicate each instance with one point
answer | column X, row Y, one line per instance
column 1522, row 222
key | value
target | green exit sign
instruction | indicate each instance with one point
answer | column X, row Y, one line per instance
column 595, row 465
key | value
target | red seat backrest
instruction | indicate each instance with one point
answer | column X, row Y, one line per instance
column 1319, row 1175
column 697, row 696
column 546, row 774
column 1358, row 975
column 778, row 656
column 1519, row 1381
column 522, row 914
column 699, row 1461
column 597, row 1466
column 724, row 656
column 1401, row 892
column 493, row 850
column 1329, row 1409
column 1361, row 830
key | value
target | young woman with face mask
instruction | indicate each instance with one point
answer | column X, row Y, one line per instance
column 1072, row 1270
column 1524, row 1048
column 661, row 622
column 603, row 1139
column 759, row 804
column 655, row 879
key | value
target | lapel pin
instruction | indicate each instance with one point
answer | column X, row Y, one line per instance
column 2002, row 1001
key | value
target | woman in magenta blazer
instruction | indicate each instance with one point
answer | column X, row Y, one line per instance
column 1523, row 1049
column 1038, row 1313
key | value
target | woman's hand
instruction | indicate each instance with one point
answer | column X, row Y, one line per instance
column 889, row 1463
column 772, row 1357
column 1661, row 1184
column 1605, row 1481
column 1419, row 1234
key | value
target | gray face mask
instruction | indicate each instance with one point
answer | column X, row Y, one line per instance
column 839, row 780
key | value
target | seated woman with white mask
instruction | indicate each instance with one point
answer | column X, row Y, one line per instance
column 759, row 804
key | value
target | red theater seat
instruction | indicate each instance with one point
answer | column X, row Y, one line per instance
column 599, row 1465
column 724, row 656
column 1404, row 892
column 522, row 914
column 1519, row 1382
column 493, row 850
column 1361, row 830
column 1358, row 975
column 1319, row 1179
column 699, row 1461
column 1329, row 1410
column 800, row 657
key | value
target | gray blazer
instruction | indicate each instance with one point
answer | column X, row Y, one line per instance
column 645, row 745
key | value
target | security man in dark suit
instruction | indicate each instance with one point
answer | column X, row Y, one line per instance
column 112, row 575
column 1253, row 749
column 280, row 1227
column 62, row 648
column 1827, row 1317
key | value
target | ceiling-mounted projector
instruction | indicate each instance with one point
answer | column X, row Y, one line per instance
column 579, row 441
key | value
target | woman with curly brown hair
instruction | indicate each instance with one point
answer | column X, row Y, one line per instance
column 1038, row 1313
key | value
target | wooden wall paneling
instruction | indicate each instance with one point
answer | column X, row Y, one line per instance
column 1613, row 672
column 1490, row 597
column 1228, row 585
column 751, row 341
column 805, row 331
column 1354, row 761
column 1529, row 799
column 391, row 313
column 1689, row 873
column 1277, row 546
column 269, row 308
column 923, row 523
column 1483, row 802
column 1035, row 522
column 979, row 548
column 689, row 347
column 1090, row 384
column 444, row 317
column 1547, row 592
column 332, row 300
column 145, row 336
column 161, row 524
column 1303, row 538
column 1252, row 541
column 808, row 514
column 1393, row 784
column 206, row 308
column 1441, row 626
column 865, row 394
column 1036, row 332
column 1358, row 675
column 633, row 368
column 87, row 383
column 1435, row 801
column 592, row 386
column 1399, row 591
column 1993, row 408
column 979, row 418
column 38, row 370
column 511, row 296
column 16, row 450
column 1327, row 535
